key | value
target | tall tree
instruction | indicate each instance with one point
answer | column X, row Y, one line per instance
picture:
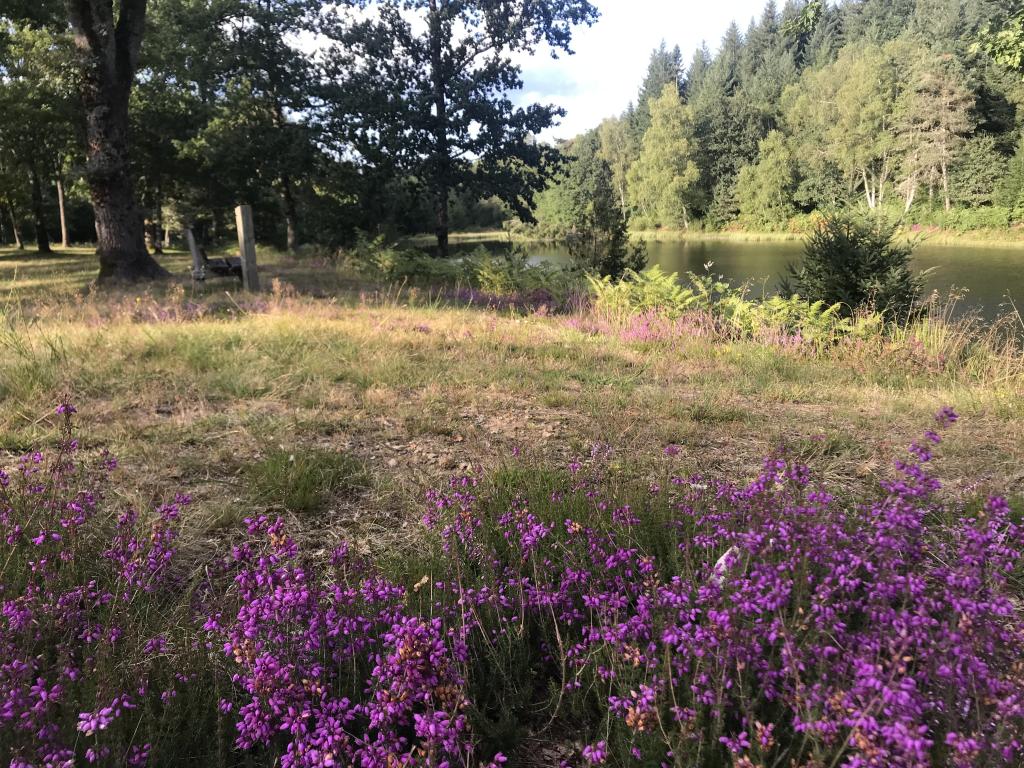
column 847, row 112
column 663, row 182
column 423, row 86
column 940, row 24
column 933, row 120
column 765, row 190
column 597, row 233
column 665, row 67
column 266, row 65
column 38, row 104
column 977, row 170
column 696, row 72
column 108, row 45
column 726, row 128
column 1009, row 191
column 877, row 21
column 760, row 42
column 618, row 149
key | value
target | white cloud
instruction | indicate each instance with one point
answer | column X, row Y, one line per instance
column 611, row 57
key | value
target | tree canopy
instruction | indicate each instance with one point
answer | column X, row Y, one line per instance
column 127, row 121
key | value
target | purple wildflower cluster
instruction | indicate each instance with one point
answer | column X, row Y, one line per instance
column 333, row 658
column 681, row 622
column 776, row 626
column 75, row 656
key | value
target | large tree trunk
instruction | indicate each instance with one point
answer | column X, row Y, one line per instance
column 109, row 53
column 62, row 209
column 441, row 160
column 158, row 226
column 441, row 218
column 152, row 228
column 38, row 213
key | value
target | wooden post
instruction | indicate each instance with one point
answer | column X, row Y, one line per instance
column 247, row 247
column 197, row 258
column 64, row 242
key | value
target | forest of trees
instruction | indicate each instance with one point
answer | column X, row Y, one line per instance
column 911, row 107
column 126, row 120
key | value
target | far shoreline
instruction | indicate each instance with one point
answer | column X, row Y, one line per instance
column 1010, row 238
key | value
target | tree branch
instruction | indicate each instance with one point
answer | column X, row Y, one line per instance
column 131, row 23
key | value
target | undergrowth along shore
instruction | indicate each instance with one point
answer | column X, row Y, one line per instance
column 1003, row 237
column 619, row 620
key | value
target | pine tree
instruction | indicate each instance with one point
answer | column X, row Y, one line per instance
column 934, row 115
column 856, row 263
column 696, row 73
column 1010, row 190
column 665, row 67
column 597, row 236
column 760, row 43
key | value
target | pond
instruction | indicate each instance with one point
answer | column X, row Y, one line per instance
column 988, row 277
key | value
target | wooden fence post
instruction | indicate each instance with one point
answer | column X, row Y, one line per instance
column 197, row 257
column 247, row 247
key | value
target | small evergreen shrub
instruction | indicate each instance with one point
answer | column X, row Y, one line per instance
column 856, row 263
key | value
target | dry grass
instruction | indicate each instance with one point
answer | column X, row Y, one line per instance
column 193, row 387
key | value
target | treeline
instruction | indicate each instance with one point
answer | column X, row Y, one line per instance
column 911, row 107
column 327, row 117
column 124, row 121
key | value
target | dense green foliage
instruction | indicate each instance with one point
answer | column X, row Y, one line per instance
column 385, row 125
column 909, row 108
column 855, row 264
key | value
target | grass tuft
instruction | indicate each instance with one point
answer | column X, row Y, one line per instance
column 305, row 480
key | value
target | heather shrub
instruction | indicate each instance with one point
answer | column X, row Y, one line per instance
column 329, row 667
column 674, row 620
column 763, row 624
column 95, row 648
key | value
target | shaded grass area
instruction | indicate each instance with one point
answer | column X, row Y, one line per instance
column 378, row 393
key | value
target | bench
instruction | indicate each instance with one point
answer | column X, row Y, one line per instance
column 230, row 266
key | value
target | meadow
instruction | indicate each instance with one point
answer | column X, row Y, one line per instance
column 315, row 428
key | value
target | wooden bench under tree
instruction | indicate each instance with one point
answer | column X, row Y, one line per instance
column 202, row 265
column 228, row 266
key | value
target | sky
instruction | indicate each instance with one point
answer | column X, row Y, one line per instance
column 611, row 57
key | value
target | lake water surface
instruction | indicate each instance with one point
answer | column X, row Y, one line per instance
column 988, row 276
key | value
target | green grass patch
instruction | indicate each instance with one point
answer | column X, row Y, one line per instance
column 305, row 480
